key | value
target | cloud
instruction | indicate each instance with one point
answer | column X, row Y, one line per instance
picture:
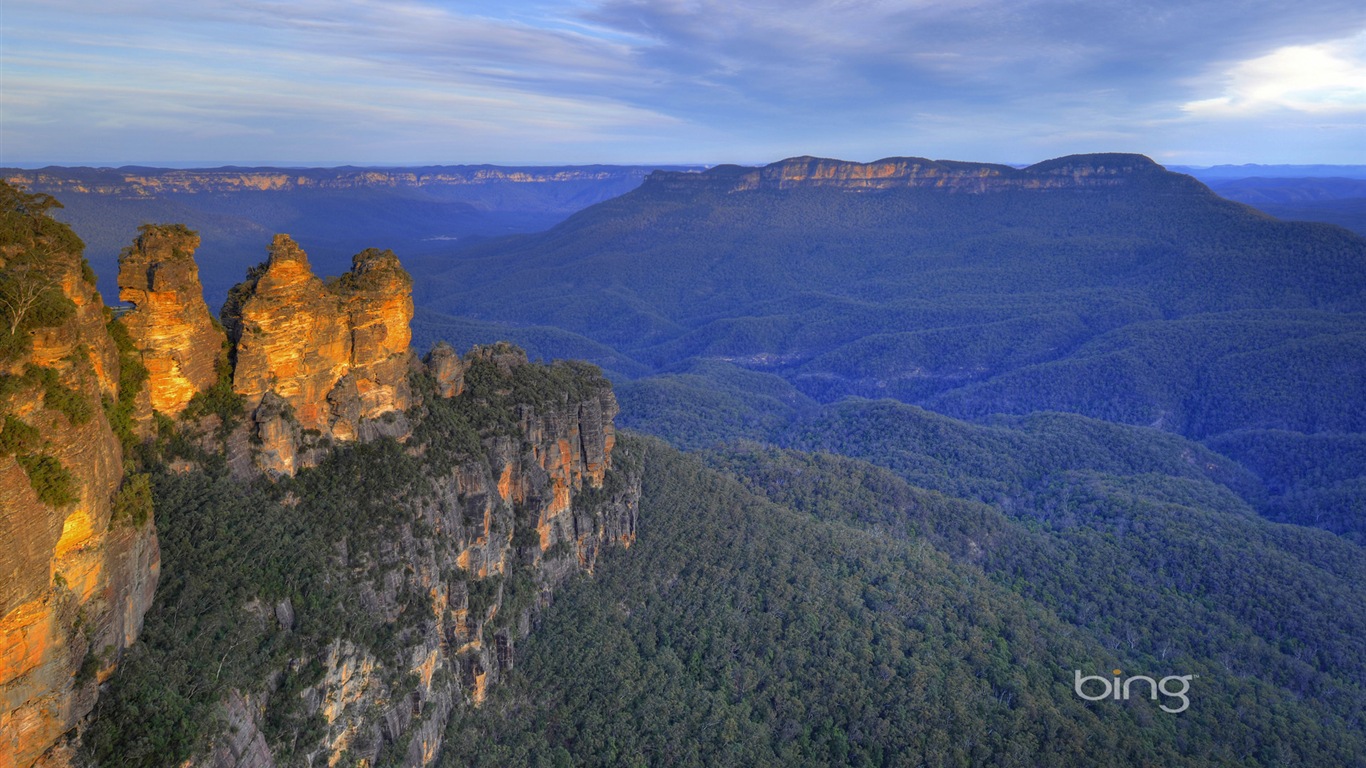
column 679, row 80
column 1323, row 78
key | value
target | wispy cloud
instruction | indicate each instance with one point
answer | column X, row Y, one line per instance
column 694, row 80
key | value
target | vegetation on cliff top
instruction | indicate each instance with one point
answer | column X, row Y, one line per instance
column 36, row 254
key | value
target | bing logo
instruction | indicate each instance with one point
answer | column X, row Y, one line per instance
column 1120, row 689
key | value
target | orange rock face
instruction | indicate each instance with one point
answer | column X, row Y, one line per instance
column 74, row 583
column 377, row 297
column 335, row 354
column 170, row 324
column 290, row 336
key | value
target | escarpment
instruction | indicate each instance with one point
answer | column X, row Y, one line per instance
column 411, row 573
column 1098, row 171
column 524, row 493
column 79, row 556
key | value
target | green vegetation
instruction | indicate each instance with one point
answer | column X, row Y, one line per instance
column 18, row 437
column 53, row 483
column 30, row 275
column 133, row 503
column 869, row 583
column 710, row 402
column 229, row 555
column 1156, row 304
column 58, row 397
column 219, row 399
column 132, row 377
column 851, row 619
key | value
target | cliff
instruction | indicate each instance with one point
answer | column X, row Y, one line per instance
column 1097, row 171
column 78, row 552
column 531, row 506
column 318, row 360
column 405, row 574
column 373, row 595
column 177, row 340
column 363, row 590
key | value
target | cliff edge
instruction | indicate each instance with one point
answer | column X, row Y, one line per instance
column 79, row 557
column 1074, row 172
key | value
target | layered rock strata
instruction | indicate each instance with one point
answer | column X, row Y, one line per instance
column 312, row 362
column 315, row 359
column 179, row 343
column 75, row 580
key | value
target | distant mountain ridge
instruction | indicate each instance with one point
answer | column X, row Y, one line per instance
column 1251, row 170
column 1071, row 172
column 333, row 212
column 1101, row 285
column 142, row 181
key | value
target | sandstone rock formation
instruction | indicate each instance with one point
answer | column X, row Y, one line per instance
column 75, row 580
column 447, row 368
column 334, row 355
column 179, row 342
column 530, row 495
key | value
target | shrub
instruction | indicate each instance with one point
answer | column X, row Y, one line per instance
column 54, row 483
column 133, row 502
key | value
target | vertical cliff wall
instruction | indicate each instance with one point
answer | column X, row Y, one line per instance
column 318, row 360
column 505, row 485
column 426, row 560
column 78, row 552
column 177, row 340
column 534, row 504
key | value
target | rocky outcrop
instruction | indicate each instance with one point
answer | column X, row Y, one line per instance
column 447, row 369
column 536, row 501
column 75, row 578
column 1098, row 171
column 377, row 302
column 319, row 359
column 521, row 490
column 180, row 344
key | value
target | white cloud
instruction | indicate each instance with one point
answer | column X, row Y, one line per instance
column 1327, row 77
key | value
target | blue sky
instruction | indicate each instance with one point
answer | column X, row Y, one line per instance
column 328, row 82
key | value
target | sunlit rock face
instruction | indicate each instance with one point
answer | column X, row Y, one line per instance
column 377, row 298
column 74, row 581
column 169, row 323
column 335, row 355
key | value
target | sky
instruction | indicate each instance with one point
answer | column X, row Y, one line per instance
column 519, row 82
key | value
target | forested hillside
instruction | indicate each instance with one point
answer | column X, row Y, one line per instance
column 821, row 611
